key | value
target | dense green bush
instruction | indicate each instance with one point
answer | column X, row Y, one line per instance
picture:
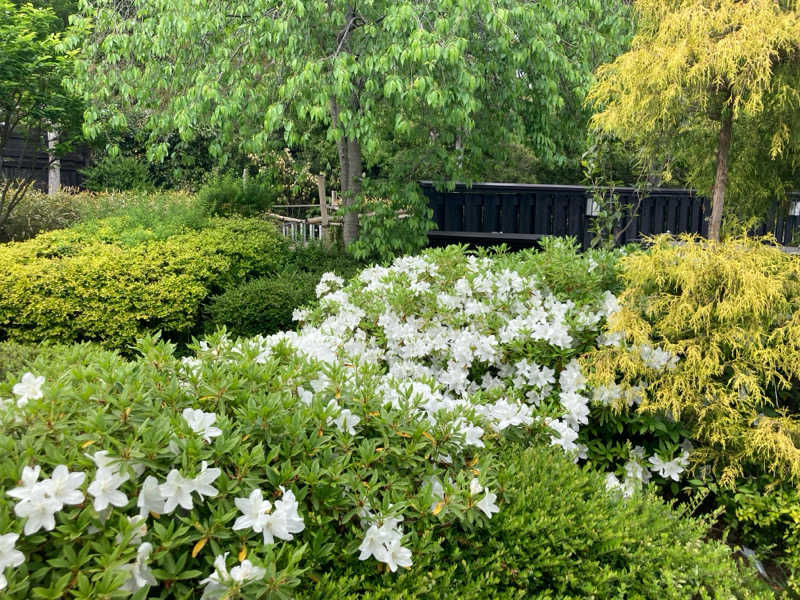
column 91, row 284
column 14, row 357
column 163, row 212
column 261, row 306
column 265, row 305
column 560, row 534
column 229, row 195
column 155, row 503
column 118, row 173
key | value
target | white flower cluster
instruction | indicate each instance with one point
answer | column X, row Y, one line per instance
column 637, row 473
column 38, row 501
column 430, row 350
column 257, row 514
column 29, row 388
column 384, row 542
column 219, row 583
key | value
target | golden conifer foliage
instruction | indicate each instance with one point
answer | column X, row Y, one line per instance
column 698, row 70
column 730, row 311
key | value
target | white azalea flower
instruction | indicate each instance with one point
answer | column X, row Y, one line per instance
column 247, row 571
column 344, row 420
column 150, row 499
column 487, row 504
column 670, row 469
column 29, row 388
column 176, row 490
column 9, row 555
column 475, row 487
column 140, row 574
column 39, row 509
column 202, row 423
column 397, row 556
column 254, row 512
column 30, row 476
column 105, row 489
column 289, row 506
column 218, row 583
column 63, row 485
column 203, row 481
column 214, row 583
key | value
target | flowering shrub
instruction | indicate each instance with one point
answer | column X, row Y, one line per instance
column 382, row 433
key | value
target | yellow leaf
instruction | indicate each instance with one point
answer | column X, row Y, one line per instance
column 242, row 553
column 429, row 436
column 87, row 444
column 438, row 508
column 199, row 546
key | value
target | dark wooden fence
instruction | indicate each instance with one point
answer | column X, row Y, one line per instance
column 785, row 227
column 519, row 215
column 34, row 164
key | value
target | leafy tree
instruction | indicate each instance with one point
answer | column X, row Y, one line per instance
column 32, row 97
column 400, row 87
column 695, row 68
column 62, row 8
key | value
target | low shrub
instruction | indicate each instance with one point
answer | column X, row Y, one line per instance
column 118, row 173
column 71, row 286
column 229, row 195
column 560, row 534
column 14, row 357
column 261, row 306
column 265, row 305
column 161, row 211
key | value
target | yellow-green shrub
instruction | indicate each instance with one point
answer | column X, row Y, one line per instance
column 68, row 286
column 729, row 311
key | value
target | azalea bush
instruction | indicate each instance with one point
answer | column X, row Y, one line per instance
column 381, row 439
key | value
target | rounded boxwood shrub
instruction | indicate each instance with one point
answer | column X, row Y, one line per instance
column 68, row 286
column 261, row 306
column 265, row 305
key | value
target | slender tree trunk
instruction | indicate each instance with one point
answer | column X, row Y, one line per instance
column 350, row 225
column 54, row 169
column 721, row 178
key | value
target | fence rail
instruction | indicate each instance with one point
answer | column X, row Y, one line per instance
column 521, row 214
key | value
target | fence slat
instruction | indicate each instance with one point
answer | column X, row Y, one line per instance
column 509, row 217
column 526, row 202
column 541, row 221
column 490, row 210
column 472, row 212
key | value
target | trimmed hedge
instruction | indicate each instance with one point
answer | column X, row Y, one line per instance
column 70, row 286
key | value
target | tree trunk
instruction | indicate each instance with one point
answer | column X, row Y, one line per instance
column 54, row 168
column 721, row 178
column 350, row 225
column 349, row 151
